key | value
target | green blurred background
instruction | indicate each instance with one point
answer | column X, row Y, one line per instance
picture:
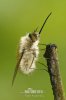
column 16, row 18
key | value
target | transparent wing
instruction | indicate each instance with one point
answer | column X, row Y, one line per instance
column 17, row 66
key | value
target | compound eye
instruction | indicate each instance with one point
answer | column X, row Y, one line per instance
column 30, row 35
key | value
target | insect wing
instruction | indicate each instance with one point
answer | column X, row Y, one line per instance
column 17, row 66
column 27, row 64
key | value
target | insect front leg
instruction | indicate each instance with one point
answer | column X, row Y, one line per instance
column 42, row 44
column 42, row 49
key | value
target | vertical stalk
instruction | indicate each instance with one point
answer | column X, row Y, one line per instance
column 54, row 72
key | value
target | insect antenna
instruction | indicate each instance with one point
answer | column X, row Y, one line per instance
column 44, row 22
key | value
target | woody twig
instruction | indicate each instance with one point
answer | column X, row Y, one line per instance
column 51, row 56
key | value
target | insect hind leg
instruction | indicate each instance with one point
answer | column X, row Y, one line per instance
column 42, row 64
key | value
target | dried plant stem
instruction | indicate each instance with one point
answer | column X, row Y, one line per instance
column 54, row 71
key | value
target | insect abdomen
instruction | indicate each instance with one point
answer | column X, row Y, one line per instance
column 27, row 63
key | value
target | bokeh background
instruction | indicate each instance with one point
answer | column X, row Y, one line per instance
column 16, row 18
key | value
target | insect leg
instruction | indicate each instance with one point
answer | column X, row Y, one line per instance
column 42, row 49
column 42, row 44
column 17, row 66
column 39, row 69
column 32, row 62
column 42, row 64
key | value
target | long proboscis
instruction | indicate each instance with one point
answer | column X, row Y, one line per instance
column 44, row 22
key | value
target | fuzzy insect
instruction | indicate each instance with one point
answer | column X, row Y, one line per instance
column 28, row 52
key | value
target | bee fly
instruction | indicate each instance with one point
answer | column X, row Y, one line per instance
column 28, row 52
